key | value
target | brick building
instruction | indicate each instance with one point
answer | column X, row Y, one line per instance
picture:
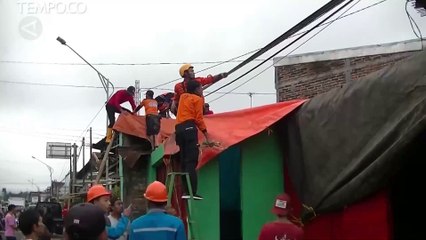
column 306, row 75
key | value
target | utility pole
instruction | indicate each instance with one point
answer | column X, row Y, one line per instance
column 70, row 175
column 106, row 170
column 38, row 189
column 84, row 148
column 74, row 164
column 138, row 92
column 251, row 99
column 50, row 172
column 83, row 151
column 91, row 151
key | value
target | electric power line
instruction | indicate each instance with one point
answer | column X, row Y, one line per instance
column 118, row 87
column 200, row 62
column 300, row 45
column 233, row 59
column 219, row 62
column 322, row 24
column 282, row 49
column 23, row 183
column 204, row 69
column 129, row 64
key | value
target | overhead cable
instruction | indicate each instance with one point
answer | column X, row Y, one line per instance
column 300, row 45
column 282, row 49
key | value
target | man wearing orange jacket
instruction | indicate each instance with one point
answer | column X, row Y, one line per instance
column 187, row 72
column 189, row 119
column 99, row 196
column 151, row 116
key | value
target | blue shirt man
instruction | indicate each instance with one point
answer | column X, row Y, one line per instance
column 157, row 224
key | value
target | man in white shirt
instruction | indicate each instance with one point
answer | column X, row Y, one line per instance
column 115, row 215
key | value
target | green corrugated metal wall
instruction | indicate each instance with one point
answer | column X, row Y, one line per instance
column 206, row 212
column 261, row 181
column 239, row 188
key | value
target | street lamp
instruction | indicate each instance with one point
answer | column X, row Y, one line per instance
column 105, row 81
column 50, row 171
column 38, row 189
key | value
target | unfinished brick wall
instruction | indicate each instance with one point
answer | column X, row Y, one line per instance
column 305, row 80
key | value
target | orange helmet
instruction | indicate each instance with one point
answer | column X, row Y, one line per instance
column 183, row 68
column 96, row 191
column 156, row 192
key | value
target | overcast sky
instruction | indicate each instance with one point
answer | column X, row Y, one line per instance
column 34, row 112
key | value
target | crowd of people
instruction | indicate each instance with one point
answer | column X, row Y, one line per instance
column 104, row 217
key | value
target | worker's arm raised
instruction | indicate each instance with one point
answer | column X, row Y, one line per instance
column 220, row 76
column 119, row 230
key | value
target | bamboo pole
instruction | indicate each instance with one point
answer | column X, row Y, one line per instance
column 106, row 155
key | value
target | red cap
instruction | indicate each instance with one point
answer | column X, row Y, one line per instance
column 282, row 205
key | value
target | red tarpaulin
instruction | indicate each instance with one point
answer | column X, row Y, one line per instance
column 367, row 219
column 227, row 128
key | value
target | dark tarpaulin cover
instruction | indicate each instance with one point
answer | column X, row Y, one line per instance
column 344, row 145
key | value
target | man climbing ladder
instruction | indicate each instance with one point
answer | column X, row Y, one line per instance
column 189, row 118
column 114, row 106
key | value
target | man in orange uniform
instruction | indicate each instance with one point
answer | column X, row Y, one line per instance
column 189, row 120
column 151, row 115
column 99, row 196
column 187, row 72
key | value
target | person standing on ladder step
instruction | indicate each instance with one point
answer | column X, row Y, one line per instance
column 282, row 228
column 151, row 115
column 114, row 106
column 157, row 223
column 189, row 118
column 187, row 72
column 99, row 196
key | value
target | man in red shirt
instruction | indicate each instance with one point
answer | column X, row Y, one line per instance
column 152, row 118
column 114, row 106
column 282, row 228
column 164, row 102
column 187, row 72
